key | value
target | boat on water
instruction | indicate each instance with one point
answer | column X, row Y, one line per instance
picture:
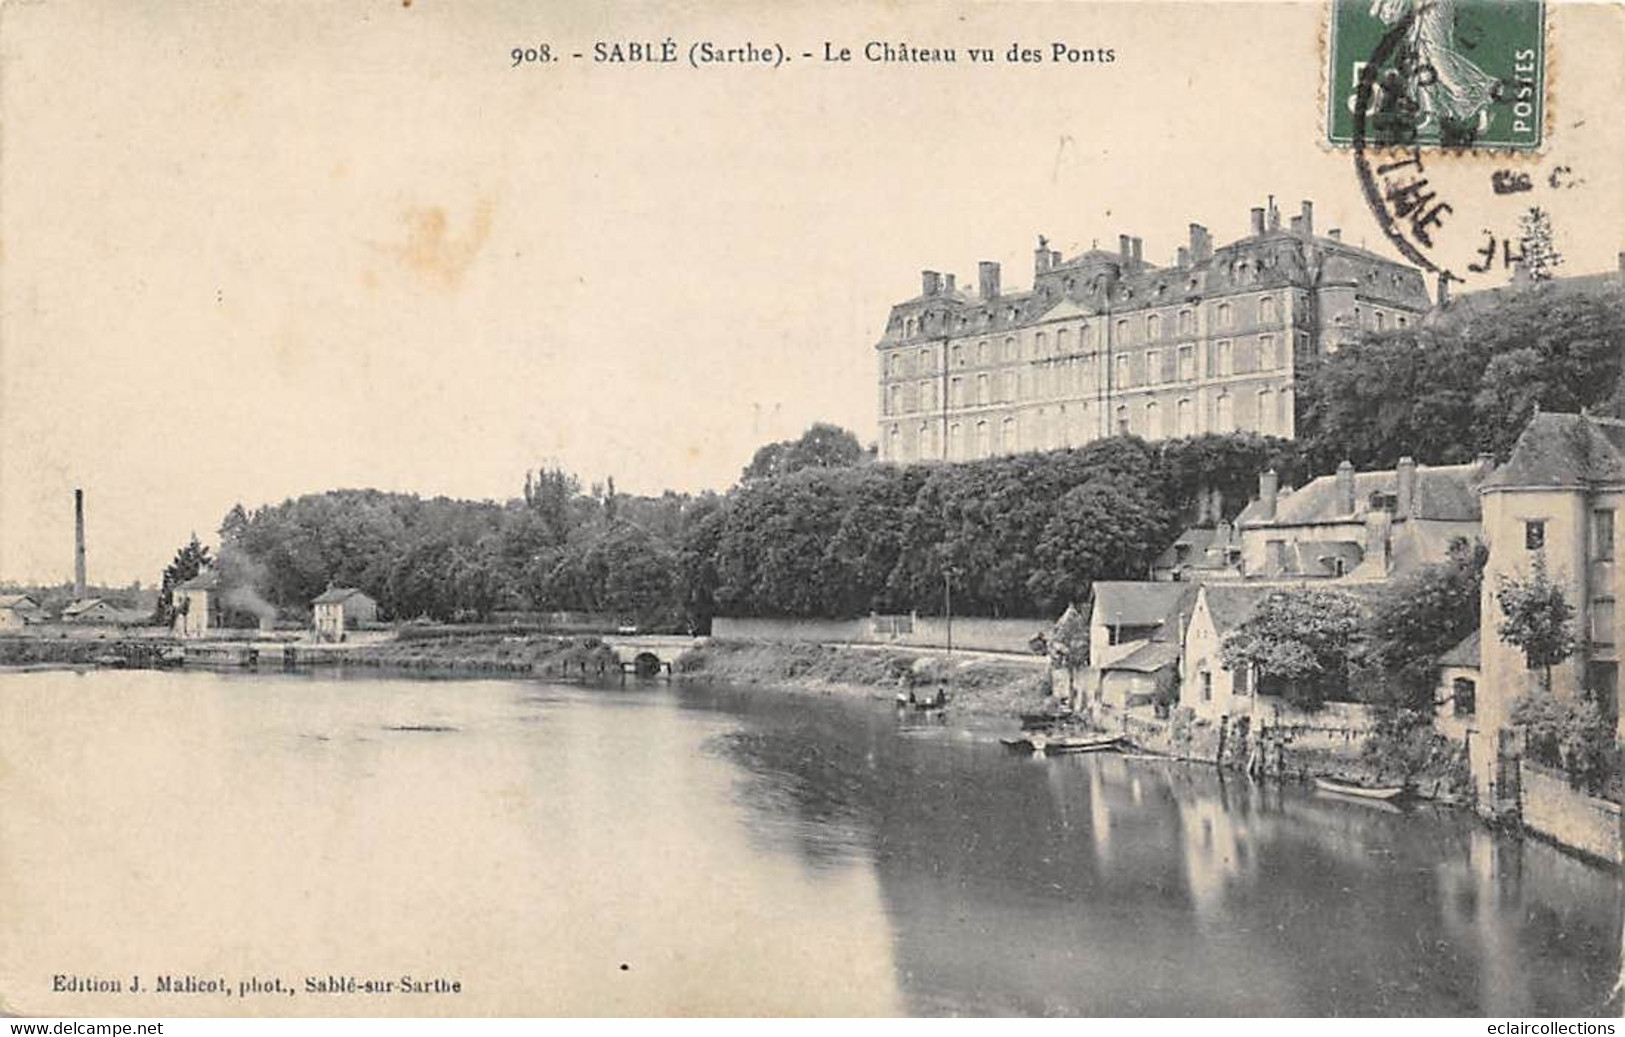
column 1347, row 788
column 1042, row 743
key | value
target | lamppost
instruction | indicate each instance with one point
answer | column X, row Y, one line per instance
column 948, row 574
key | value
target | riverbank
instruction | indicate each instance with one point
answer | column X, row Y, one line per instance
column 980, row 685
column 532, row 654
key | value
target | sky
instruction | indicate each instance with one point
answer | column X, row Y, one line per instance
column 254, row 251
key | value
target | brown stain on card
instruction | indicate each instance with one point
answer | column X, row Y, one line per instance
column 434, row 252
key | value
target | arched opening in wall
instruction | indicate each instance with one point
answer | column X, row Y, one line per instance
column 646, row 664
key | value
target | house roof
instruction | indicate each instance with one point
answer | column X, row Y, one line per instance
column 83, row 605
column 1136, row 603
column 1148, row 658
column 1564, row 450
column 335, row 595
column 1230, row 604
column 1446, row 493
column 17, row 601
column 1464, row 654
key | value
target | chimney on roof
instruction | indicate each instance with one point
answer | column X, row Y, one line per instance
column 947, row 284
column 1308, row 209
column 1125, row 247
column 1443, row 291
column 1201, row 243
column 1184, row 257
column 1137, row 258
column 1405, row 475
column 1258, row 221
column 1269, row 485
column 1345, row 488
column 78, row 544
column 1336, row 234
column 1043, row 258
column 1055, row 259
column 1275, row 215
column 987, row 276
column 1296, row 223
column 930, row 282
column 1486, row 465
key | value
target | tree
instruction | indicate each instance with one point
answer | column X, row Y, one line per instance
column 1537, row 618
column 1421, row 616
column 189, row 561
column 1069, row 643
column 1108, row 528
column 1301, row 643
column 821, row 446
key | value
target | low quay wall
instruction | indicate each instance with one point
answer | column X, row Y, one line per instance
column 971, row 633
column 1568, row 816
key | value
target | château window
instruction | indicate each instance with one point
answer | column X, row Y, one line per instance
column 896, row 400
column 1122, row 331
column 1266, row 310
column 1225, row 364
column 1122, row 370
column 984, row 439
column 1187, row 322
column 1123, row 425
column 1382, row 321
column 1041, row 344
column 1009, row 387
column 1010, row 350
column 1063, row 342
column 1224, row 414
column 928, row 395
column 1187, row 363
column 981, row 389
column 1534, row 534
column 1266, row 410
column 956, row 392
column 1153, row 421
column 1187, row 418
column 959, row 355
column 982, row 353
column 1153, row 366
column 1266, row 353
column 1009, row 436
column 1086, row 337
column 1224, row 315
column 1153, row 327
column 956, row 441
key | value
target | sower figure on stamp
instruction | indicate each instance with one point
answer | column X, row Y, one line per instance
column 1443, row 82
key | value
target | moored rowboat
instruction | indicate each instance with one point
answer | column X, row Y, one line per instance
column 1363, row 791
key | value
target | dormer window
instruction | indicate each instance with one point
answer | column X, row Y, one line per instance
column 1388, row 502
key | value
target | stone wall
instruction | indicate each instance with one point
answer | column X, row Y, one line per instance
column 1567, row 816
column 970, row 633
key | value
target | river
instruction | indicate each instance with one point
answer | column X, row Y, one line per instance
column 703, row 850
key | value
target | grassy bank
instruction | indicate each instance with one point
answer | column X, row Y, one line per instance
column 979, row 685
column 479, row 653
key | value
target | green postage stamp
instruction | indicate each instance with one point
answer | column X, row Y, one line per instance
column 1436, row 73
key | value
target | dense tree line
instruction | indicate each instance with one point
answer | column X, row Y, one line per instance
column 1467, row 381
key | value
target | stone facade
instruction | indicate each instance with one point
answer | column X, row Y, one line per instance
column 1107, row 343
column 1558, row 497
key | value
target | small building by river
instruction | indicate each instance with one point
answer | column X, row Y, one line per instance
column 338, row 609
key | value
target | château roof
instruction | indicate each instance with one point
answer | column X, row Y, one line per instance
column 1445, row 493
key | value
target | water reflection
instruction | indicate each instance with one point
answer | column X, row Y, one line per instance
column 1105, row 885
column 738, row 851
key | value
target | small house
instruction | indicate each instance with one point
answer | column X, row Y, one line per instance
column 1210, row 688
column 18, row 610
column 339, row 609
column 196, row 605
column 1457, row 695
column 91, row 610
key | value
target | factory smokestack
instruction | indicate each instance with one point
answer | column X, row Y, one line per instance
column 78, row 544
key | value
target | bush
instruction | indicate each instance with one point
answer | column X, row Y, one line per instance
column 1406, row 745
column 1574, row 736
